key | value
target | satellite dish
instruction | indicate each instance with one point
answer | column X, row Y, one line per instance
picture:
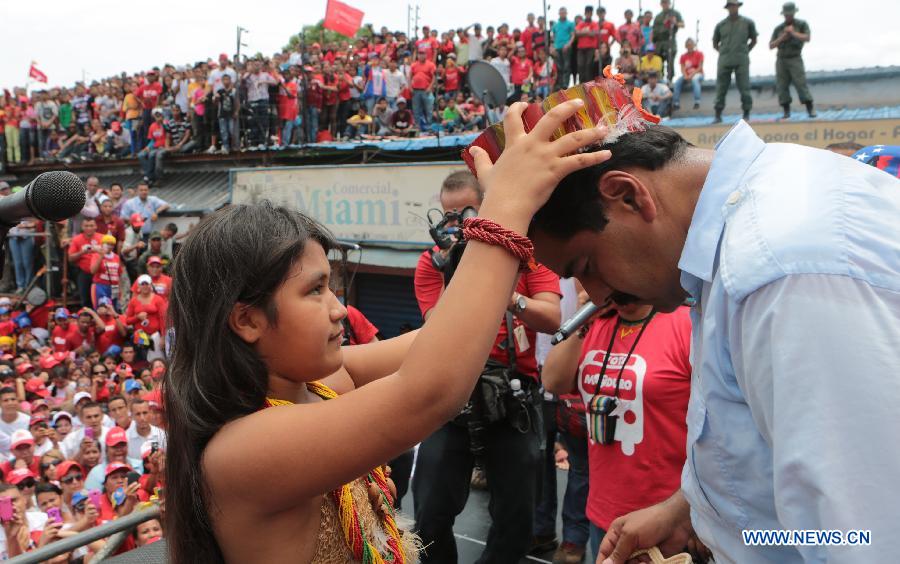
column 486, row 83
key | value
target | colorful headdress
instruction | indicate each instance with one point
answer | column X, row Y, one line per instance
column 606, row 101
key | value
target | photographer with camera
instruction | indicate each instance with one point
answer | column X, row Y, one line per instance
column 502, row 425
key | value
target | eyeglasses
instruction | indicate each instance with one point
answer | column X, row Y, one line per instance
column 71, row 478
column 25, row 484
column 46, row 465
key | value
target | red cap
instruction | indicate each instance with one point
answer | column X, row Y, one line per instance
column 37, row 419
column 116, row 436
column 136, row 220
column 65, row 466
column 39, row 403
column 37, row 386
column 19, row 475
column 24, row 367
column 223, row 56
column 114, row 466
column 154, row 260
column 124, row 367
column 47, row 362
column 154, row 398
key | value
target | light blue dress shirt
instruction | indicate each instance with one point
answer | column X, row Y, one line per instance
column 793, row 256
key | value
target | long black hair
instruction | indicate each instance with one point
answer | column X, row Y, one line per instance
column 240, row 254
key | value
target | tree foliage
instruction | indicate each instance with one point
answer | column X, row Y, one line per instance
column 318, row 34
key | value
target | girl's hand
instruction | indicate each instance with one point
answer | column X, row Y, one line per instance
column 531, row 166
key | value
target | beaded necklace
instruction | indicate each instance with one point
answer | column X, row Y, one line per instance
column 362, row 549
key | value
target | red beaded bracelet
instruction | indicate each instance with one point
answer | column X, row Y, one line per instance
column 492, row 233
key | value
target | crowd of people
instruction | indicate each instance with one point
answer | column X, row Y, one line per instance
column 82, row 436
column 382, row 84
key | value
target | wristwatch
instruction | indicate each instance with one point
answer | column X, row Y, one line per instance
column 521, row 304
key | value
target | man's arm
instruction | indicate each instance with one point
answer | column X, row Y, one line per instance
column 716, row 38
column 816, row 357
column 753, row 36
column 541, row 311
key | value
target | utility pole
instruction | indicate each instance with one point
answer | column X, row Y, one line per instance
column 546, row 30
column 698, row 33
column 416, row 29
column 237, row 51
column 408, row 17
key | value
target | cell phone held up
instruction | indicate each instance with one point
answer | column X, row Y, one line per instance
column 54, row 516
column 6, row 509
column 88, row 433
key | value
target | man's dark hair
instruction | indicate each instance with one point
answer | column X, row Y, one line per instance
column 138, row 401
column 47, row 487
column 114, row 398
column 90, row 405
column 5, row 487
column 119, row 184
column 460, row 180
column 172, row 227
column 575, row 204
column 7, row 390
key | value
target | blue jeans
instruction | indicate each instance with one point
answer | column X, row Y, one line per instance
column 574, row 520
column 151, row 162
column 226, row 130
column 422, row 108
column 597, row 535
column 354, row 131
column 312, row 128
column 287, row 132
column 22, row 249
column 695, row 86
column 134, row 126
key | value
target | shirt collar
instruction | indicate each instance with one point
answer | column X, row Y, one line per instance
column 734, row 154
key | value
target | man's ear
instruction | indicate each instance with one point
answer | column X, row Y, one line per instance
column 247, row 322
column 624, row 190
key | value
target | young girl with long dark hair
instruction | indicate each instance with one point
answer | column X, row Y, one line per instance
column 264, row 462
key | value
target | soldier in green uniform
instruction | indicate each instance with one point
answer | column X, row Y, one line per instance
column 789, row 38
column 734, row 38
column 665, row 26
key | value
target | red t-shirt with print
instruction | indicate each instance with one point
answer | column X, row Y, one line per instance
column 422, row 74
column 78, row 242
column 157, row 134
column 149, row 94
column 518, row 70
column 643, row 464
column 451, row 78
column 363, row 329
column 692, row 61
column 429, row 284
column 591, row 41
column 110, row 335
column 607, row 32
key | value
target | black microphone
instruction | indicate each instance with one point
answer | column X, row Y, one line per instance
column 52, row 196
column 574, row 323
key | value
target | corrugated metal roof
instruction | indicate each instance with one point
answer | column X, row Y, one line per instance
column 845, row 114
column 186, row 191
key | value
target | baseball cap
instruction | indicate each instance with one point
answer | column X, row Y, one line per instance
column 155, row 235
column 104, row 301
column 136, row 220
column 19, row 475
column 47, row 361
column 116, row 436
column 36, row 418
column 36, row 297
column 24, row 367
column 62, row 313
column 80, row 396
column 401, row 100
column 111, row 239
column 154, row 259
column 4, row 310
column 23, row 321
column 223, row 56
column 113, row 351
column 20, row 437
column 124, row 367
column 5, row 302
column 132, row 385
column 64, row 468
column 37, row 386
column 38, row 403
column 144, row 279
column 650, row 47
column 59, row 415
column 154, row 398
column 77, row 497
column 7, row 340
column 4, row 185
column 116, row 466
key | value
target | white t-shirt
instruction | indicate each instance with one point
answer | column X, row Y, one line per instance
column 20, row 423
column 36, row 521
column 394, row 83
column 136, row 441
column 215, row 77
column 476, row 49
column 181, row 96
column 660, row 91
column 72, row 443
column 502, row 65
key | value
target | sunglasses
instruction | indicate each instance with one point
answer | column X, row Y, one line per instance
column 25, row 484
column 46, row 465
column 71, row 478
column 101, row 371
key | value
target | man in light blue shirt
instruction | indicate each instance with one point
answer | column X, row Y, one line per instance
column 563, row 35
column 150, row 207
column 792, row 257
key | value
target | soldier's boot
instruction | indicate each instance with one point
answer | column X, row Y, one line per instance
column 811, row 110
column 787, row 111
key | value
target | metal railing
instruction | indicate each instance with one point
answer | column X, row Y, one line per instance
column 118, row 530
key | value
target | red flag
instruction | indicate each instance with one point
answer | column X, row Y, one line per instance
column 35, row 74
column 342, row 18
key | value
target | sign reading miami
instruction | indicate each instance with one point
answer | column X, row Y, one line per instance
column 374, row 204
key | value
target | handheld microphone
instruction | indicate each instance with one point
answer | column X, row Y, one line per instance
column 574, row 323
column 52, row 196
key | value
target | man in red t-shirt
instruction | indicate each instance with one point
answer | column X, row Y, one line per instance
column 82, row 249
column 527, row 35
column 521, row 71
column 427, row 45
column 88, row 326
column 691, row 71
column 587, row 40
column 110, row 223
column 148, row 95
column 511, row 446
column 63, row 333
column 114, row 328
column 422, row 84
column 607, row 29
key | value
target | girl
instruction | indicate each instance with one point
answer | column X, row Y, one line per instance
column 106, row 266
column 257, row 325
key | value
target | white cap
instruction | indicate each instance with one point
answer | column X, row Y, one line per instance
column 20, row 436
column 144, row 279
column 80, row 396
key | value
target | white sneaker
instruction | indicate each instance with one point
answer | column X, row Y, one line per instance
column 211, row 150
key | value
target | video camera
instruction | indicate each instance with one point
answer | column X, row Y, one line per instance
column 448, row 236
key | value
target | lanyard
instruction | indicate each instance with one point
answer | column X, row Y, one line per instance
column 627, row 357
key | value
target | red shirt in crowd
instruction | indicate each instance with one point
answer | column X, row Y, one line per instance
column 526, row 38
column 643, row 464
column 149, row 94
column 692, row 61
column 422, row 74
column 589, row 41
column 66, row 339
column 287, row 101
column 40, row 315
column 519, row 69
column 429, row 284
column 157, row 134
column 162, row 284
column 314, row 92
column 115, row 227
column 156, row 314
column 429, row 46
column 363, row 329
column 451, row 78
column 78, row 242
column 344, row 83
column 78, row 338
column 7, row 328
column 110, row 335
column 330, row 95
column 633, row 35
column 8, row 466
column 607, row 32
column 110, row 270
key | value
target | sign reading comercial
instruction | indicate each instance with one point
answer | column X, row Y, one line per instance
column 364, row 203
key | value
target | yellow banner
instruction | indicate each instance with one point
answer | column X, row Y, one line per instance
column 813, row 133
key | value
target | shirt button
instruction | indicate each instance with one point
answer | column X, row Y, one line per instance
column 733, row 198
